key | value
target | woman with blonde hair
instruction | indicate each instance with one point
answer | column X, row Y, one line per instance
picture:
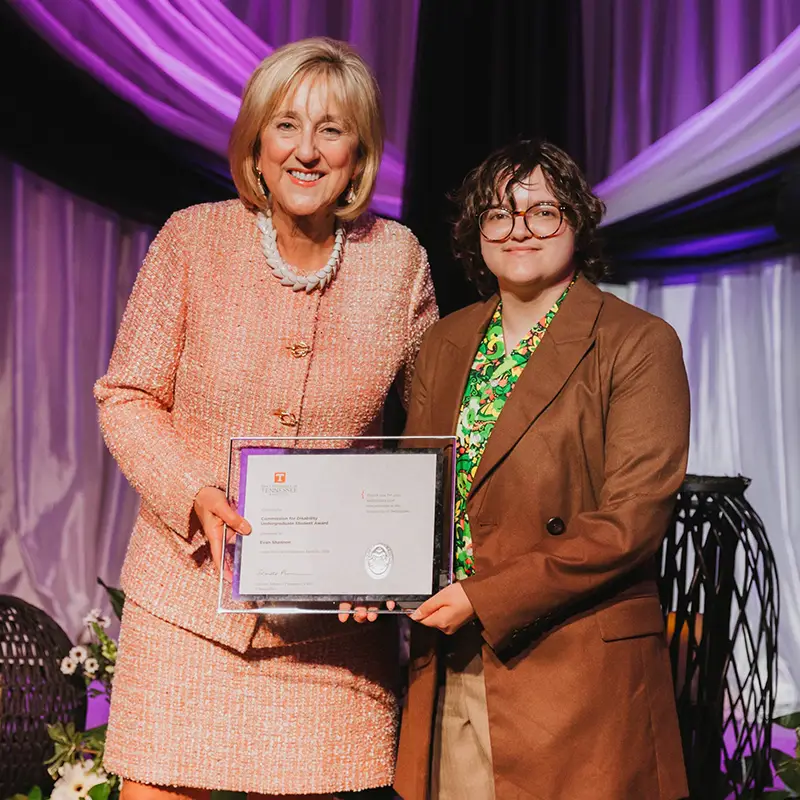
column 288, row 311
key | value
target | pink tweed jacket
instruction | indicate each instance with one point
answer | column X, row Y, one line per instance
column 213, row 346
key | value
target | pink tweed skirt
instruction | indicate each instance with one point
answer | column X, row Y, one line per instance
column 313, row 718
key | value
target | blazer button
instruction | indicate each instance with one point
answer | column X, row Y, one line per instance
column 555, row 526
column 299, row 349
column 286, row 418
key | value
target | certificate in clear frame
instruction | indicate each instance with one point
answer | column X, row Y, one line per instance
column 361, row 520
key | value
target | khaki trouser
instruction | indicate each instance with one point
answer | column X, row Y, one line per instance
column 462, row 753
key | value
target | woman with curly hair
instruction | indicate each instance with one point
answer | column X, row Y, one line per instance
column 571, row 412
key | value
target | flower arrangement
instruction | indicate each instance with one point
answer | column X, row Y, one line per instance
column 96, row 661
column 77, row 761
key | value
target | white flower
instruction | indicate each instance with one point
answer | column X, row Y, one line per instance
column 61, row 792
column 68, row 666
column 76, row 780
column 110, row 669
column 93, row 616
column 90, row 666
column 78, row 654
column 96, row 616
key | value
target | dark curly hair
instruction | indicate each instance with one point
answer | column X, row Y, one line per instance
column 513, row 164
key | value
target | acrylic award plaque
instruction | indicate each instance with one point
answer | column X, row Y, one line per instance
column 337, row 520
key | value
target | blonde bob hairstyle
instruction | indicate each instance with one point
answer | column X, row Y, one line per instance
column 355, row 90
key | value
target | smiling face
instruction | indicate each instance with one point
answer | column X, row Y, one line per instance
column 523, row 262
column 309, row 152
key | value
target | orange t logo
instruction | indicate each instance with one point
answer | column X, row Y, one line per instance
column 280, row 477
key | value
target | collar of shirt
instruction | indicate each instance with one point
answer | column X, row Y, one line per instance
column 496, row 349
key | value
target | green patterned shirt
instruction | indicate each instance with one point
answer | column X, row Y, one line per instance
column 491, row 379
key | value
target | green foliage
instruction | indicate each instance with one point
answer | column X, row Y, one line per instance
column 33, row 794
column 101, row 791
column 71, row 745
column 791, row 721
column 787, row 768
column 115, row 596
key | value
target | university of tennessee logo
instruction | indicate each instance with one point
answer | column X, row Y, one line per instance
column 279, row 487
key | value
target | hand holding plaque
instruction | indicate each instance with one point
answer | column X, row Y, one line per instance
column 220, row 523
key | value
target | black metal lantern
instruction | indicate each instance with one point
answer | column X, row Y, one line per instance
column 719, row 590
column 33, row 693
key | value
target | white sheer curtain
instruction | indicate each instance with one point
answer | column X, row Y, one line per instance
column 66, row 269
column 740, row 331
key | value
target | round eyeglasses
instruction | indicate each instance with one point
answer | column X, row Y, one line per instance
column 542, row 220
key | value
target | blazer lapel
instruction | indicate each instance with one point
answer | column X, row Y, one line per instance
column 567, row 340
column 454, row 363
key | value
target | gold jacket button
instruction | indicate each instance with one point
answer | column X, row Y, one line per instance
column 299, row 349
column 286, row 418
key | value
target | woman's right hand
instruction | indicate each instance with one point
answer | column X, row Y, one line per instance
column 214, row 512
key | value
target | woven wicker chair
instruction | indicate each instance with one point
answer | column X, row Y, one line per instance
column 33, row 693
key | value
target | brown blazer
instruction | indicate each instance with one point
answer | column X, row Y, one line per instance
column 569, row 505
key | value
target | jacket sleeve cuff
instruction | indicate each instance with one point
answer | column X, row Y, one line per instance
column 493, row 621
column 181, row 516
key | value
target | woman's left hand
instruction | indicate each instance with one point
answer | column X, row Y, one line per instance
column 448, row 610
column 362, row 613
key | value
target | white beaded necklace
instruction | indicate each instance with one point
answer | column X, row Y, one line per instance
column 285, row 273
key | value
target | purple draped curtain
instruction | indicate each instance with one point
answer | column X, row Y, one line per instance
column 754, row 121
column 66, row 512
column 649, row 65
column 183, row 63
column 384, row 33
